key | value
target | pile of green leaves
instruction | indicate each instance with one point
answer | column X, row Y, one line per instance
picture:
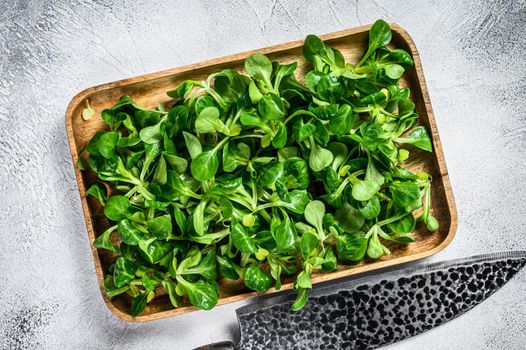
column 260, row 177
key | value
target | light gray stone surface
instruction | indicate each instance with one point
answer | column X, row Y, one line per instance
column 473, row 54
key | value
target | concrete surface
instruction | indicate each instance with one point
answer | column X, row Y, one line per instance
column 473, row 54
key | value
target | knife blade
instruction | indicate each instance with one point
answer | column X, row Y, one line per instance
column 366, row 312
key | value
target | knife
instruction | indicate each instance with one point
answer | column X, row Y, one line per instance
column 377, row 309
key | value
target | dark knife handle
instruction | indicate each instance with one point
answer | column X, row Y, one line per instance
column 224, row 345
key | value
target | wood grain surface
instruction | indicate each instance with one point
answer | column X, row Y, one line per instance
column 150, row 89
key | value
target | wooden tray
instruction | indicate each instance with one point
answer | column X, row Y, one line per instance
column 150, row 89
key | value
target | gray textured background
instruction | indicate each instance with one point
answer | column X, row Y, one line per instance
column 473, row 54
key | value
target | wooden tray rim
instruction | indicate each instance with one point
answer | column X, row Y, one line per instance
column 78, row 98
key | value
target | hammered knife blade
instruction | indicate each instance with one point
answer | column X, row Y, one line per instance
column 377, row 309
